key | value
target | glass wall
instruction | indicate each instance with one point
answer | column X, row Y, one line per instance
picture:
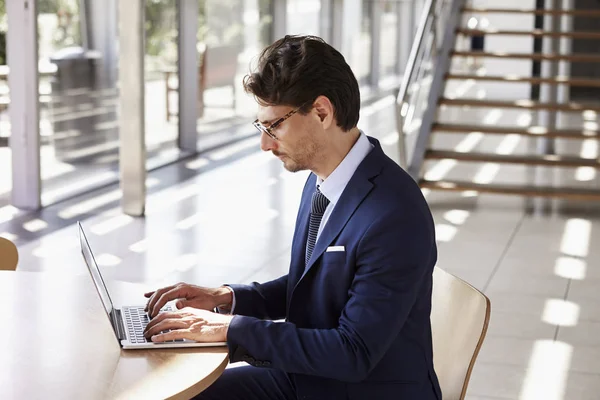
column 160, row 65
column 78, row 72
column 231, row 34
column 78, row 98
column 303, row 17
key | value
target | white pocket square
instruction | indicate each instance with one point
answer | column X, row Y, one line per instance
column 335, row 248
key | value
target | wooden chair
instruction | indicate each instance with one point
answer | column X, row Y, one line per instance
column 217, row 67
column 459, row 319
column 9, row 256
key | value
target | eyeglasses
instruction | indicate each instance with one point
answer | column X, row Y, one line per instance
column 269, row 129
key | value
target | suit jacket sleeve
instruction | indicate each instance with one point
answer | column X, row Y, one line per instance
column 394, row 257
column 262, row 301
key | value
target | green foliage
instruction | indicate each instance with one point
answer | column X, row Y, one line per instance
column 48, row 6
column 43, row 6
column 68, row 32
column 161, row 26
column 220, row 22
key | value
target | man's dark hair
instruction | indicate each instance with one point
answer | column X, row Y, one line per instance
column 295, row 70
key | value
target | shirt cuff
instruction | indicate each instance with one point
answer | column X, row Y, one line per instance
column 227, row 310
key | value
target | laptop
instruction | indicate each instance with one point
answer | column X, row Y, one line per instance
column 129, row 322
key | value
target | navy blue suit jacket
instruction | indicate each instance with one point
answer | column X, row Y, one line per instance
column 356, row 322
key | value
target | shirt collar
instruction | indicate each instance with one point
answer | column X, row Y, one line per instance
column 336, row 182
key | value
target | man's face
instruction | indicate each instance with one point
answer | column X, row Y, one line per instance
column 297, row 137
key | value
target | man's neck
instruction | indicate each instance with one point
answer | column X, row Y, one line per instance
column 335, row 154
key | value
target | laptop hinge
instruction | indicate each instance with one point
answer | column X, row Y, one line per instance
column 117, row 321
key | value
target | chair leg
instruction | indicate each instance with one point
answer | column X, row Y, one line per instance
column 167, row 90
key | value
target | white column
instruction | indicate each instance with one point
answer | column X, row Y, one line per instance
column 187, row 11
column 326, row 21
column 376, row 13
column 404, row 33
column 417, row 9
column 347, row 19
column 337, row 21
column 250, row 20
column 132, row 151
column 22, row 55
column 279, row 19
column 101, row 31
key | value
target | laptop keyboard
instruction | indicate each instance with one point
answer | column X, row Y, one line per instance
column 136, row 320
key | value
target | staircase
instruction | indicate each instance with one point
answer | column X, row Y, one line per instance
column 421, row 149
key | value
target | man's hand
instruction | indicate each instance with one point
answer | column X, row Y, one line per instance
column 189, row 323
column 188, row 296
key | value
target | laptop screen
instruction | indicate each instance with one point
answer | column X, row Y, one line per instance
column 95, row 272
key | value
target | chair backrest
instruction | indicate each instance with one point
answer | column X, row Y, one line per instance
column 459, row 319
column 219, row 66
column 9, row 256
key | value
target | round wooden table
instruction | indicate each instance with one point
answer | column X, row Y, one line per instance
column 56, row 342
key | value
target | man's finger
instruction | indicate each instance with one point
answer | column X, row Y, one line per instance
column 165, row 325
column 154, row 297
column 161, row 317
column 154, row 300
column 173, row 335
column 148, row 294
column 164, row 299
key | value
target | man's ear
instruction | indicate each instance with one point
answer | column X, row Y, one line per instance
column 324, row 110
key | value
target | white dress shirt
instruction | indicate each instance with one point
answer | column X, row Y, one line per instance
column 336, row 182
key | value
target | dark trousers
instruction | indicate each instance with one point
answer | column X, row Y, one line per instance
column 250, row 383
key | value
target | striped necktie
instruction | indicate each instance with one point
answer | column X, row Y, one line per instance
column 317, row 209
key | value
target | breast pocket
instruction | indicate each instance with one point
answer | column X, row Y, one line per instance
column 334, row 257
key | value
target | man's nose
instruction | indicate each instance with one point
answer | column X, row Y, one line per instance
column 267, row 143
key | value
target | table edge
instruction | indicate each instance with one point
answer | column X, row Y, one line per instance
column 200, row 386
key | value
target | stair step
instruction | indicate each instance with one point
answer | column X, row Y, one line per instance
column 552, row 160
column 522, row 104
column 559, row 80
column 535, row 32
column 585, row 58
column 529, row 191
column 533, row 131
column 581, row 13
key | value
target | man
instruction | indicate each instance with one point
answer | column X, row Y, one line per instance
column 357, row 298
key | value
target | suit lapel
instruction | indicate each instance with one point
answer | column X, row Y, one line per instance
column 357, row 189
column 301, row 233
column 345, row 207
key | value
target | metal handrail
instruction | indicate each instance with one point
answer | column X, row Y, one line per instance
column 410, row 70
column 424, row 80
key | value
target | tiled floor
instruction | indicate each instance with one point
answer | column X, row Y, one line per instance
column 228, row 217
